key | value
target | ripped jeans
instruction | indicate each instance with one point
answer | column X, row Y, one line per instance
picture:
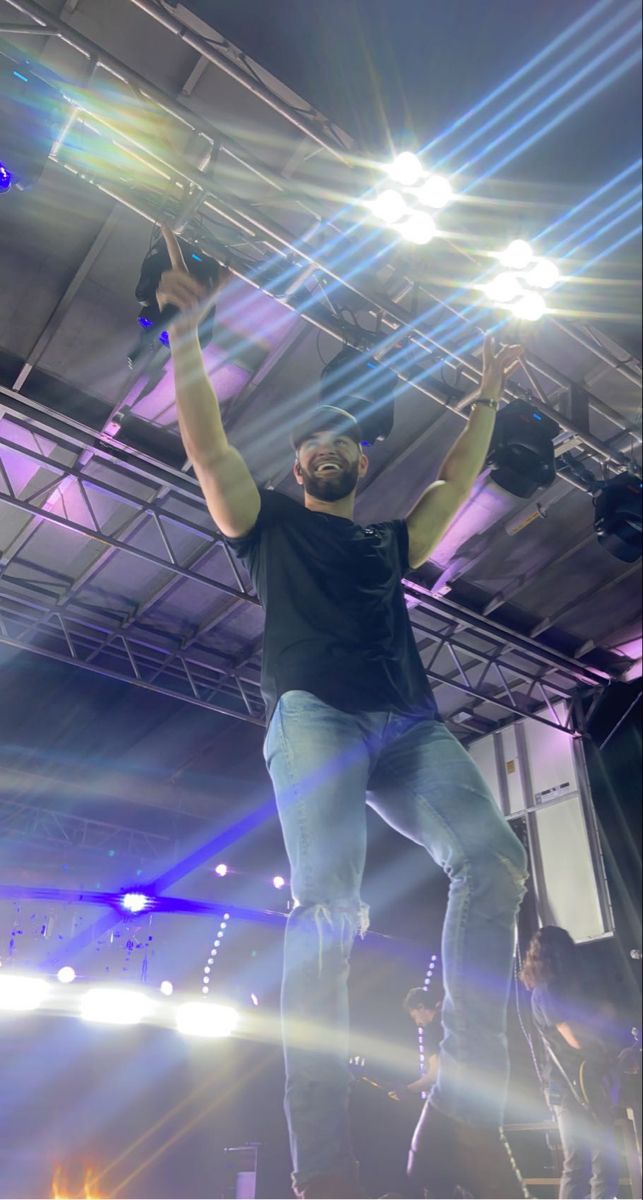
column 322, row 763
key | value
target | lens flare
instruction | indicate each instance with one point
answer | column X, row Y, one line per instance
column 418, row 228
column 389, row 206
column 436, row 192
column 405, row 169
column 543, row 274
column 530, row 306
column 517, row 256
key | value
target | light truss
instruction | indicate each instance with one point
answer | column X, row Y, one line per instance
column 492, row 674
column 43, row 826
column 270, row 239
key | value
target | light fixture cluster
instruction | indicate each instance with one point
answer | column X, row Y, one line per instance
column 406, row 207
column 108, row 1005
column 519, row 286
column 214, row 950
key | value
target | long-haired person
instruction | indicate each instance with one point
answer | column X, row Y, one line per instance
column 577, row 1028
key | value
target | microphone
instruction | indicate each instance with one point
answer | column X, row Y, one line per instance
column 636, row 954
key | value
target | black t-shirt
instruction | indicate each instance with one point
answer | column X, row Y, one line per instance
column 336, row 618
column 550, row 1009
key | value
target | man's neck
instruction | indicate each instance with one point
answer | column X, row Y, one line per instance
column 333, row 508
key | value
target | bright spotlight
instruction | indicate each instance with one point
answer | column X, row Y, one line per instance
column 517, row 256
column 405, row 169
column 279, row 882
column 504, row 288
column 135, row 902
column 66, row 975
column 21, row 993
column 115, row 1006
column 418, row 228
column 390, row 206
column 202, row 1019
column 544, row 274
column 530, row 306
column 436, row 192
column 6, row 178
column 221, row 870
column 166, row 988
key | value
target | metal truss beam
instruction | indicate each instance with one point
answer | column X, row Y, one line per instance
column 532, row 651
column 399, row 322
column 44, row 826
column 484, row 661
column 470, row 654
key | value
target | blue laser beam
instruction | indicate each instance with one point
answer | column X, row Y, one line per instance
column 570, row 32
column 553, row 73
column 552, row 98
column 616, row 73
column 583, row 204
column 600, row 216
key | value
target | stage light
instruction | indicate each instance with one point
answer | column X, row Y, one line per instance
column 6, row 178
column 504, row 288
column 418, row 228
column 166, row 988
column 66, row 975
column 221, row 870
column 200, row 1019
column 254, row 999
column 618, row 517
column 201, row 266
column 543, row 274
column 115, row 1006
column 522, row 450
column 21, row 993
column 135, row 902
column 278, row 882
column 529, row 306
column 390, row 206
column 517, row 256
column 435, row 192
column 405, row 169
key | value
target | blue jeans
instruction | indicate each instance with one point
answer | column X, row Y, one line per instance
column 322, row 763
column 590, row 1157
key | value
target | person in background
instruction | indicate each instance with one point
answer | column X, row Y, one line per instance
column 423, row 1006
column 578, row 1031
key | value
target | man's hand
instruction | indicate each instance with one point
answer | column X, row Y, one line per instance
column 497, row 365
column 181, row 289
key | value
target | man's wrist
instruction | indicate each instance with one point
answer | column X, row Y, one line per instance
column 486, row 402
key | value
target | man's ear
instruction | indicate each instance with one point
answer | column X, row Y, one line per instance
column 363, row 465
column 296, row 470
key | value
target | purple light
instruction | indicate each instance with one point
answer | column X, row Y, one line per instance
column 145, row 322
column 5, row 178
column 221, row 870
column 279, row 882
column 164, row 338
column 135, row 902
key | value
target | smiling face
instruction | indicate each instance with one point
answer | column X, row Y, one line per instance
column 329, row 465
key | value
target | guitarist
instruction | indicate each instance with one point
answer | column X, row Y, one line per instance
column 577, row 1032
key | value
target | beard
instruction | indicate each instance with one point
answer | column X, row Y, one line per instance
column 334, row 486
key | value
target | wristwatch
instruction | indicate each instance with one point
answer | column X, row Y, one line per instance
column 485, row 402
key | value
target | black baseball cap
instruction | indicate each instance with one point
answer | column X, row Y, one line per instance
column 326, row 416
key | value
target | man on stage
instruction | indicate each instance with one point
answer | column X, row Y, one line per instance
column 349, row 709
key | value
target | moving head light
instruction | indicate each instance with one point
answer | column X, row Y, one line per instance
column 154, row 321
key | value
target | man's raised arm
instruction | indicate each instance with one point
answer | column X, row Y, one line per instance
column 229, row 489
column 437, row 507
